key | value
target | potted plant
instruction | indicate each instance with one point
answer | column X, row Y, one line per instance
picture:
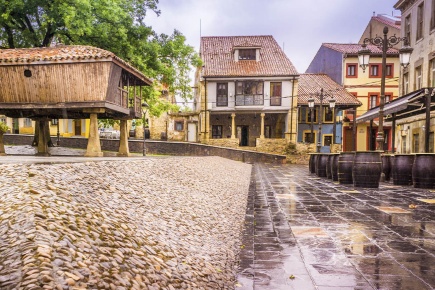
column 3, row 129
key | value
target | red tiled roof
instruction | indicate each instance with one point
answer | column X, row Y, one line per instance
column 61, row 53
column 310, row 85
column 392, row 21
column 353, row 48
column 217, row 53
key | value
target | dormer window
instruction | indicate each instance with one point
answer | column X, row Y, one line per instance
column 247, row 54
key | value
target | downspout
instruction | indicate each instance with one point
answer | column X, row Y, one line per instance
column 291, row 111
column 205, row 109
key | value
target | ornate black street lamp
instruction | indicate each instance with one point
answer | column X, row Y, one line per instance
column 383, row 43
column 320, row 117
column 144, row 112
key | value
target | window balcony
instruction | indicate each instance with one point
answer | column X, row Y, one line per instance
column 249, row 100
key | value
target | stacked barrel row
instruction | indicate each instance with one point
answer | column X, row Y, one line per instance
column 365, row 168
column 410, row 169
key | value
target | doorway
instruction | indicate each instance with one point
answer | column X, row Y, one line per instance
column 242, row 134
column 349, row 144
column 78, row 127
column 191, row 132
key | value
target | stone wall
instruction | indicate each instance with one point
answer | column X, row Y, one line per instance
column 159, row 147
column 224, row 142
column 270, row 145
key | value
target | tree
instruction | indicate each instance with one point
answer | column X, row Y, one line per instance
column 115, row 25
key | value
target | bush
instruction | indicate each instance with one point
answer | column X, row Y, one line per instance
column 3, row 127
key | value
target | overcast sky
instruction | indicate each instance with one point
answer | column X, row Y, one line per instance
column 299, row 26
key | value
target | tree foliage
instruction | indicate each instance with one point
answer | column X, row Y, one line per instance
column 115, row 25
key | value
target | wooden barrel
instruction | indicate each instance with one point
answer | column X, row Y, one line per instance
column 367, row 167
column 312, row 163
column 344, row 169
column 334, row 166
column 401, row 168
column 386, row 166
column 321, row 164
column 423, row 170
column 328, row 166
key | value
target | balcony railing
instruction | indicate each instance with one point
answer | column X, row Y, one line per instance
column 249, row 100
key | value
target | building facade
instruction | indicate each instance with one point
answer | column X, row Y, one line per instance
column 246, row 93
column 340, row 62
column 418, row 26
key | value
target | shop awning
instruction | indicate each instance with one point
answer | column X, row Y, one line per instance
column 405, row 103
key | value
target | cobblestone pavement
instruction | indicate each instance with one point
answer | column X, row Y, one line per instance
column 305, row 232
column 135, row 223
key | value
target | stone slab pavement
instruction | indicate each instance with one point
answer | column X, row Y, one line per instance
column 306, row 232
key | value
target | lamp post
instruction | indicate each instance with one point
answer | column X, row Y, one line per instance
column 334, row 126
column 383, row 43
column 320, row 117
column 311, row 106
column 144, row 111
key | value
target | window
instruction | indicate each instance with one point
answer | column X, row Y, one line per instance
column 408, row 28
column 222, row 94
column 387, row 98
column 315, row 113
column 351, row 71
column 328, row 114
column 431, row 142
column 420, row 19
column 389, row 71
column 178, row 125
column 373, row 101
column 249, row 93
column 432, row 72
column 327, row 140
column 405, row 83
column 27, row 122
column 374, row 70
column 432, row 17
column 308, row 138
column 418, row 78
column 416, row 142
column 247, row 54
column 216, row 131
column 275, row 94
column 267, row 131
column 54, row 121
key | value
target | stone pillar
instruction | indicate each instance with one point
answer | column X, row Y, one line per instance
column 123, row 140
column 43, row 139
column 2, row 145
column 233, row 126
column 207, row 126
column 262, row 126
column 94, row 146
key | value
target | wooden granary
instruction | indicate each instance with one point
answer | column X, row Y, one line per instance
column 70, row 82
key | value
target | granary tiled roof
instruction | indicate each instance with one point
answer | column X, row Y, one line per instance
column 217, row 53
column 310, row 85
column 353, row 48
column 61, row 53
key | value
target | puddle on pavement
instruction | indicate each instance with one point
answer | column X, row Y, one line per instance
column 426, row 200
column 392, row 209
column 309, row 232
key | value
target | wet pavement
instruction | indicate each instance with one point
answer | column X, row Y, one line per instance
column 306, row 232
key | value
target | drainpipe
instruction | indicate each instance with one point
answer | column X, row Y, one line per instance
column 291, row 110
column 205, row 108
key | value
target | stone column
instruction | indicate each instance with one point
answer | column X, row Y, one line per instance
column 2, row 145
column 123, row 140
column 94, row 146
column 289, row 126
column 207, row 126
column 262, row 126
column 43, row 139
column 233, row 126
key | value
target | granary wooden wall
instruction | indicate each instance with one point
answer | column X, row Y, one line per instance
column 54, row 83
